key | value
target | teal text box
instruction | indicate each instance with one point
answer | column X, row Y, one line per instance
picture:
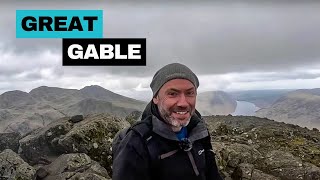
column 97, row 31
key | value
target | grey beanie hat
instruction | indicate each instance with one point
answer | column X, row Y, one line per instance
column 172, row 71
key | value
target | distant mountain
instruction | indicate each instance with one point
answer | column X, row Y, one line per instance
column 99, row 93
column 94, row 106
column 22, row 112
column 56, row 96
column 215, row 103
column 299, row 107
column 261, row 98
column 16, row 99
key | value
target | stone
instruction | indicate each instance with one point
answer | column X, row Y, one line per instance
column 283, row 165
column 76, row 118
column 234, row 154
column 93, row 136
column 9, row 141
column 73, row 166
column 12, row 166
column 247, row 172
column 38, row 146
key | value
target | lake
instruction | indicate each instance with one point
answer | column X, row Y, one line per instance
column 245, row 108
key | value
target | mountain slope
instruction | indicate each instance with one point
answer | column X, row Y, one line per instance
column 299, row 107
column 215, row 103
column 22, row 112
column 16, row 99
column 261, row 98
column 99, row 93
column 93, row 106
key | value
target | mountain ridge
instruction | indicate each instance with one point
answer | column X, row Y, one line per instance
column 299, row 107
column 21, row 111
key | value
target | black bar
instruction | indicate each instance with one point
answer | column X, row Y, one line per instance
column 123, row 42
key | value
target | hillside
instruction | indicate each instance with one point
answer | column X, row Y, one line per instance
column 99, row 93
column 22, row 112
column 215, row 103
column 261, row 98
column 299, row 107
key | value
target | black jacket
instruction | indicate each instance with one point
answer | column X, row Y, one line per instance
column 164, row 158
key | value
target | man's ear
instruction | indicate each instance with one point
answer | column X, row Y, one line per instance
column 155, row 100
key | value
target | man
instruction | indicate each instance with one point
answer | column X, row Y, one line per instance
column 178, row 144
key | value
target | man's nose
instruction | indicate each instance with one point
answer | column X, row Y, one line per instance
column 182, row 101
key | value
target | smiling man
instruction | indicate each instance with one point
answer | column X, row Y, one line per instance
column 171, row 142
column 176, row 102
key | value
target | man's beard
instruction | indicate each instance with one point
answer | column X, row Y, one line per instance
column 176, row 124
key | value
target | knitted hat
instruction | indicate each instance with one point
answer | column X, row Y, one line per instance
column 172, row 71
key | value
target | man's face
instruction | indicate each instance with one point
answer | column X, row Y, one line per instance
column 176, row 102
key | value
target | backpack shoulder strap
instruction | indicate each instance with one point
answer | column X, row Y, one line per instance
column 117, row 140
column 206, row 142
column 144, row 129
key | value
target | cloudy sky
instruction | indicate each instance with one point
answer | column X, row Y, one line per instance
column 230, row 45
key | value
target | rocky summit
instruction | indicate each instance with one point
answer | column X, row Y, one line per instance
column 246, row 147
column 68, row 148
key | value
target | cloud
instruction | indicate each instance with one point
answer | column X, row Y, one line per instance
column 230, row 45
column 277, row 84
column 26, row 71
column 274, row 76
column 25, row 66
column 299, row 78
column 210, row 37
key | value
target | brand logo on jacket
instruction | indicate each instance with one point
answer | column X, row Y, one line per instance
column 200, row 151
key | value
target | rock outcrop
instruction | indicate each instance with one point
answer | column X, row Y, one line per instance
column 12, row 166
column 38, row 147
column 9, row 141
column 256, row 148
column 92, row 136
column 246, row 147
column 246, row 171
column 73, row 166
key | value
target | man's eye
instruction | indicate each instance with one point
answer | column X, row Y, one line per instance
column 172, row 93
column 191, row 93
